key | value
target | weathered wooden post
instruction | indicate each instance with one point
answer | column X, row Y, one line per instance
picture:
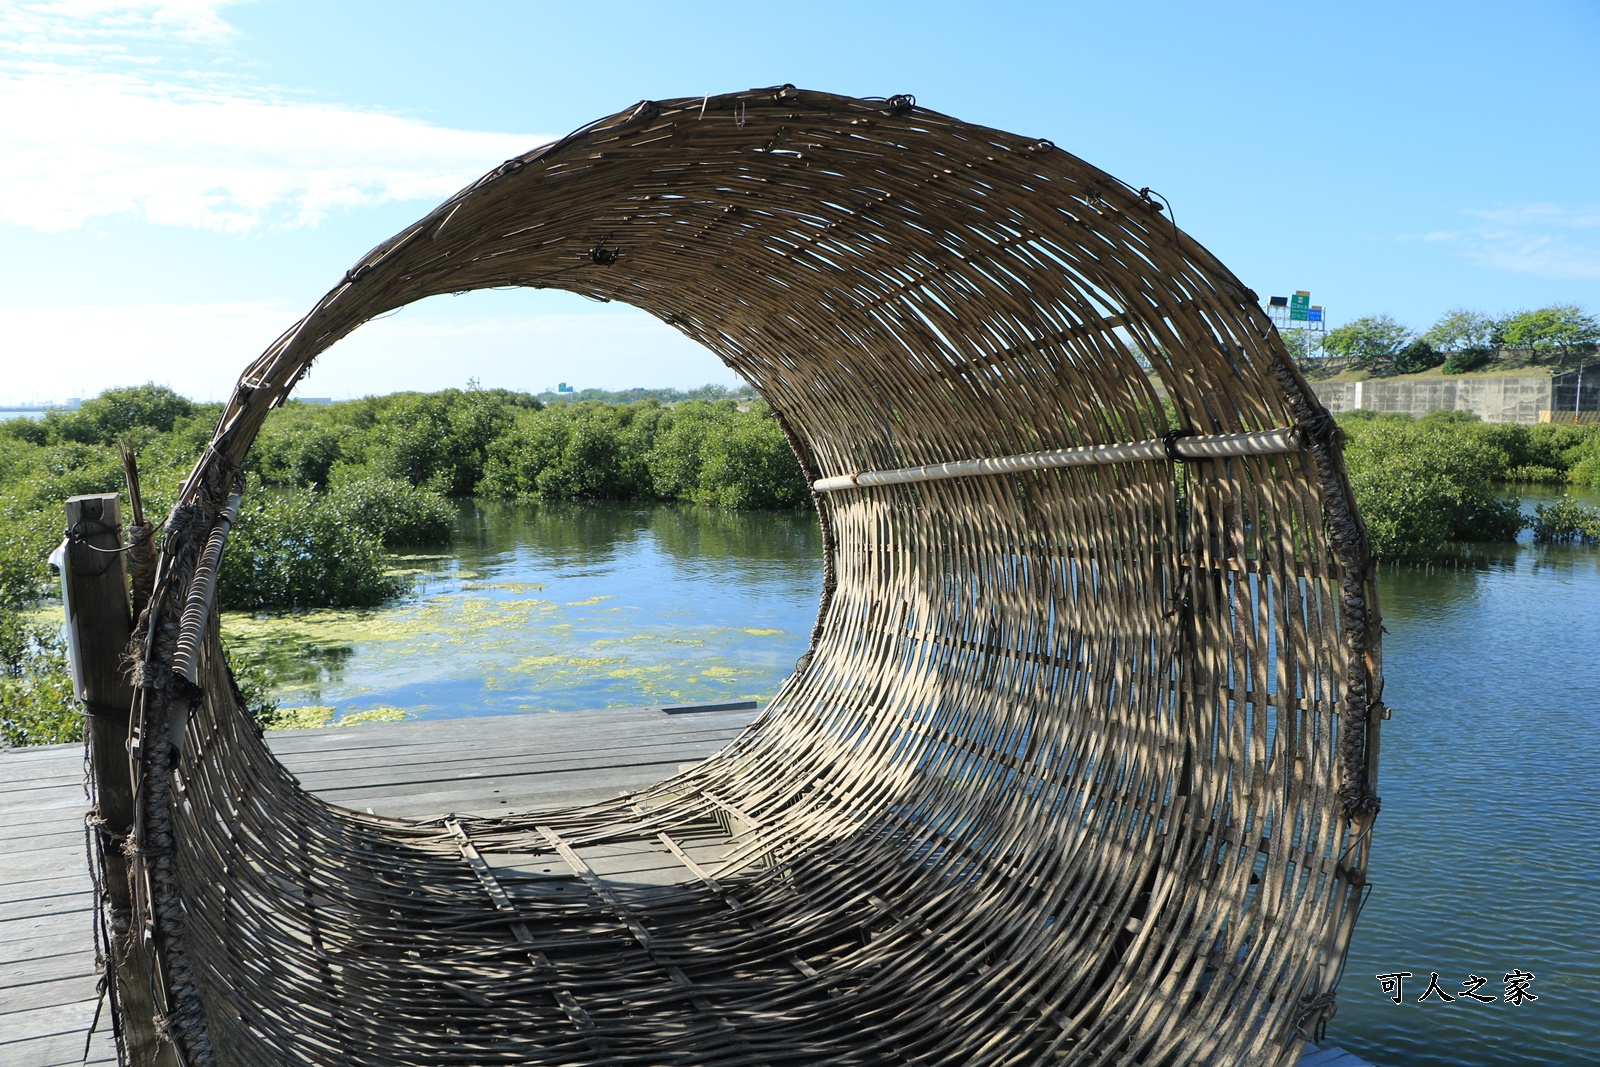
column 99, row 624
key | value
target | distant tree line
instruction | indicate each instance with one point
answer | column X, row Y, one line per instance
column 1462, row 340
column 510, row 446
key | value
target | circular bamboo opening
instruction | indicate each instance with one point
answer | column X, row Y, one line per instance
column 1079, row 767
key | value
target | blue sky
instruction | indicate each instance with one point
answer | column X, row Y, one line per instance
column 181, row 179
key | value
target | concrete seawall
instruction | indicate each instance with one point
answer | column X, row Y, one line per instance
column 1491, row 399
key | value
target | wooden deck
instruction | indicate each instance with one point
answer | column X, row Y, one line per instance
column 481, row 765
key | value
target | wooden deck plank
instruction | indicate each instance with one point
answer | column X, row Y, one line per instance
column 482, row 759
column 71, row 1018
column 54, row 834
column 47, row 982
column 45, row 778
column 493, row 795
column 61, row 1050
column 34, row 864
column 54, row 803
column 47, row 884
column 59, row 903
column 58, row 979
column 550, row 728
column 44, row 934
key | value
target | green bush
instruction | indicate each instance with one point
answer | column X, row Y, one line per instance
column 1547, row 452
column 1466, row 360
column 29, row 431
column 1586, row 472
column 62, row 470
column 24, row 574
column 295, row 455
column 1581, row 458
column 397, row 512
column 36, row 705
column 439, row 441
column 1565, row 522
column 678, row 453
column 288, row 551
column 115, row 412
column 36, row 702
column 704, row 452
column 582, row 451
column 1424, row 486
column 751, row 466
column 1534, row 474
column 1416, row 356
column 1452, row 417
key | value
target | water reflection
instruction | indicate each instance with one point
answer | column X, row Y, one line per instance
column 542, row 608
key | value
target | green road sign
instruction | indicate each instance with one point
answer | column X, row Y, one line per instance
column 1299, row 306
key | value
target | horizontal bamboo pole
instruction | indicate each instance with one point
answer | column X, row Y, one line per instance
column 1214, row 446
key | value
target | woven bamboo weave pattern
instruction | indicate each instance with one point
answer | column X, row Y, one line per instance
column 1079, row 767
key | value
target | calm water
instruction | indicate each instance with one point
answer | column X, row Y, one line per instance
column 563, row 609
column 1486, row 857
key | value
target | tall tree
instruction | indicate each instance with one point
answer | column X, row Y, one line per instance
column 1556, row 326
column 1368, row 340
column 1298, row 343
column 1460, row 330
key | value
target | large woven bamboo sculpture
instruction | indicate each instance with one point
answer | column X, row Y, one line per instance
column 1079, row 767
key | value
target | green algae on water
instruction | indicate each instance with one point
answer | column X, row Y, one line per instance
column 531, row 615
column 314, row 716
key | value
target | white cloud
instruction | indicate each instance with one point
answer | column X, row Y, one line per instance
column 1546, row 240
column 93, row 125
column 57, row 26
column 134, row 108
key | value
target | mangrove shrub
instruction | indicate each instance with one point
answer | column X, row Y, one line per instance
column 583, row 451
column 116, row 412
column 295, row 551
column 36, row 702
column 297, row 454
column 438, row 441
column 1565, row 522
column 398, row 513
column 1426, row 485
column 750, row 465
